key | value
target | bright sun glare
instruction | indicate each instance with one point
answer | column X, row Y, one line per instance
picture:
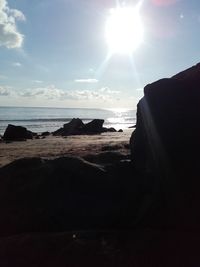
column 124, row 30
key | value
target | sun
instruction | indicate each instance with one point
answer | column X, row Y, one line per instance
column 124, row 30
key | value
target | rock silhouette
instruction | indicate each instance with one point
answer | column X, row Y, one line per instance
column 166, row 143
column 17, row 133
column 77, row 127
column 63, row 194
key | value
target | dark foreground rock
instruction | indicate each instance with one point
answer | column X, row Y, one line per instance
column 67, row 193
column 96, row 211
column 107, row 157
column 17, row 133
column 166, row 144
column 77, row 127
column 141, row 248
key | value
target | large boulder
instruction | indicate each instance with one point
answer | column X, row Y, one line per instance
column 16, row 133
column 166, row 143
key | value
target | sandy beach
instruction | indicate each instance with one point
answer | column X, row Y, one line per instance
column 52, row 146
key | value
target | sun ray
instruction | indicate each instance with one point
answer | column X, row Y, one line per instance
column 103, row 67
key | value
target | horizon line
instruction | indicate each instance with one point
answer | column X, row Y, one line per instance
column 122, row 108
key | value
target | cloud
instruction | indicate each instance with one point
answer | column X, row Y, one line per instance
column 104, row 94
column 16, row 64
column 50, row 92
column 86, row 81
column 4, row 91
column 53, row 93
column 10, row 37
column 83, row 95
column 107, row 90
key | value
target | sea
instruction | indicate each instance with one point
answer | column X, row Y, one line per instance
column 41, row 119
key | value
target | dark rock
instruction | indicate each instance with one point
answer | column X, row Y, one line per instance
column 42, row 195
column 45, row 133
column 134, row 126
column 100, row 249
column 17, row 133
column 191, row 74
column 93, row 127
column 74, row 127
column 33, row 134
column 77, row 127
column 166, row 143
column 108, row 157
column 120, row 131
column 59, row 132
column 38, row 195
column 112, row 130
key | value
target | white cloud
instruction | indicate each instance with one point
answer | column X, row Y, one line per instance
column 10, row 37
column 107, row 90
column 86, row 81
column 4, row 91
column 53, row 93
column 103, row 94
column 139, row 89
column 16, row 64
column 17, row 14
column 83, row 95
column 50, row 92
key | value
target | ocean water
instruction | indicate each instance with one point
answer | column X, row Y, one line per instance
column 50, row 119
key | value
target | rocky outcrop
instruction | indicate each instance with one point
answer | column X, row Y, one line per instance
column 166, row 143
column 17, row 133
column 95, row 126
column 77, row 127
column 191, row 74
column 72, row 128
column 67, row 193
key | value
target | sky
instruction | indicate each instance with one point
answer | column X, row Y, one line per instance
column 55, row 53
